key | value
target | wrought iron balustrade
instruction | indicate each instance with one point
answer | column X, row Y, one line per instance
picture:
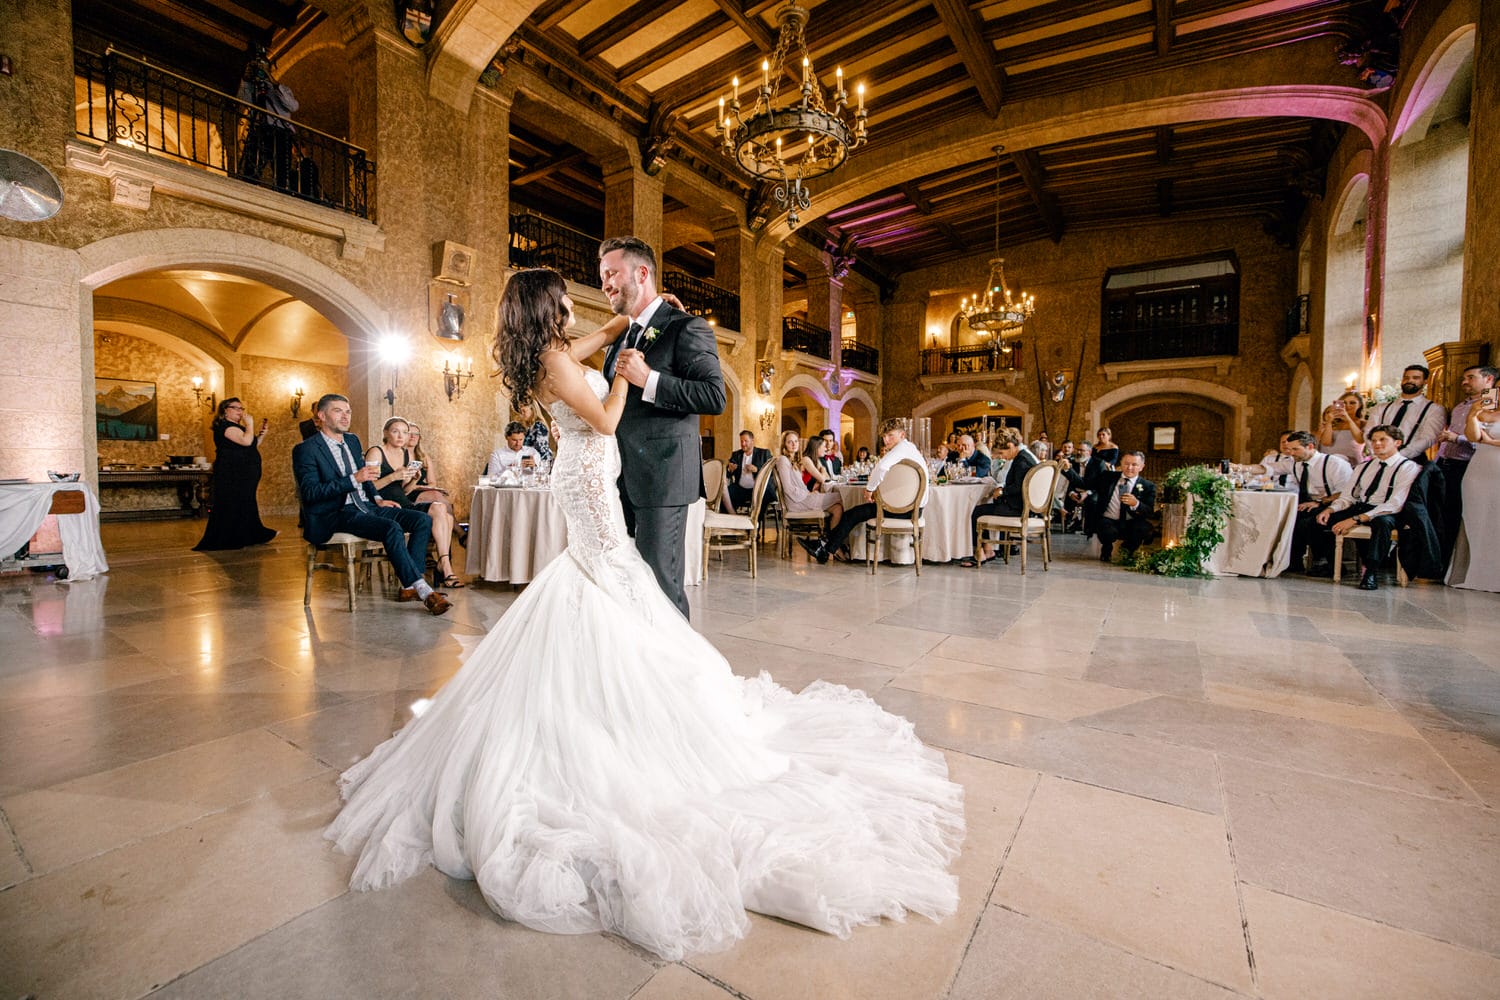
column 537, row 241
column 135, row 104
column 1195, row 340
column 704, row 298
column 800, row 335
column 861, row 357
column 974, row 360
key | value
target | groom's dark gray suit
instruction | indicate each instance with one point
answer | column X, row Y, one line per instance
column 660, row 452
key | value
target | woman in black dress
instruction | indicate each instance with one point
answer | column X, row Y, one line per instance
column 234, row 516
column 398, row 476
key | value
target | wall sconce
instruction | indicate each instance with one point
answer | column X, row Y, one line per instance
column 296, row 404
column 765, row 373
column 198, row 395
column 455, row 378
column 394, row 350
column 767, row 415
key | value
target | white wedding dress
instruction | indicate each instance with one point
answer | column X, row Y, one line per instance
column 595, row 765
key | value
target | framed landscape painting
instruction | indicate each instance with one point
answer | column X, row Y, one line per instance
column 125, row 410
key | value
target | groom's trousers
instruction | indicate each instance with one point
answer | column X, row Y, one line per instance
column 660, row 535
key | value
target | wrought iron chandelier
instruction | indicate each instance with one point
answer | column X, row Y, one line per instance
column 997, row 313
column 802, row 139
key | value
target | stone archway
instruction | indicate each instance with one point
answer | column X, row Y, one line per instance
column 725, row 427
column 1236, row 404
column 1299, row 410
column 857, row 428
column 1344, row 283
column 948, row 400
column 817, row 405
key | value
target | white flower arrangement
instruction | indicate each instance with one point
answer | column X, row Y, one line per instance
column 1383, row 394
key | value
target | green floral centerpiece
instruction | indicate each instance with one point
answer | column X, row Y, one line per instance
column 1213, row 502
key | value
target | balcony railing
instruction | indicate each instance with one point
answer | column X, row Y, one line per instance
column 862, row 357
column 972, row 360
column 704, row 298
column 536, row 241
column 1188, row 341
column 1296, row 318
column 140, row 106
column 800, row 335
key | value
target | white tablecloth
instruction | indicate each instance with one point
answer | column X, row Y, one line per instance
column 513, row 533
column 946, row 535
column 23, row 506
column 1258, row 539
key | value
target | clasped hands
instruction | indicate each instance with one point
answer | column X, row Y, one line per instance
column 1343, row 527
column 631, row 365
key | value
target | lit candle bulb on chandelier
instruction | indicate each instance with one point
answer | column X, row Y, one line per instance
column 778, row 149
column 735, row 83
column 723, row 121
column 861, row 91
column 765, row 73
column 805, row 68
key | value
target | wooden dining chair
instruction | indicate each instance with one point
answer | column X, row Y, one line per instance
column 713, row 484
column 902, row 490
column 1037, row 490
column 723, row 532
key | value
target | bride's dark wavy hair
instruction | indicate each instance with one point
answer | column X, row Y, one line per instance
column 532, row 320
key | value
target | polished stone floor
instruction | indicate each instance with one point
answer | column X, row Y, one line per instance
column 1174, row 789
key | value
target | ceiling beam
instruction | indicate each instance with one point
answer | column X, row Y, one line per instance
column 1029, row 166
column 558, row 12
column 618, row 28
column 547, row 168
column 754, row 27
column 1164, row 144
column 967, row 34
column 1163, row 11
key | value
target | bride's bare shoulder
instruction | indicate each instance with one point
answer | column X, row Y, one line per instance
column 559, row 368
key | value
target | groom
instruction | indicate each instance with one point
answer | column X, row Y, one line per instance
column 671, row 361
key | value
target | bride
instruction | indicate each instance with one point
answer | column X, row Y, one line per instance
column 595, row 765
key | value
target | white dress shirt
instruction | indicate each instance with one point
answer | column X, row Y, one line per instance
column 1124, row 486
column 1422, row 422
column 1382, row 484
column 648, row 392
column 1324, row 476
column 503, row 458
column 901, row 449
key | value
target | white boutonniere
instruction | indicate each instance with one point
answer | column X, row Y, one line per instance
column 649, row 337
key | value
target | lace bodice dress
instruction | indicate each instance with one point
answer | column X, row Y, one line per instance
column 596, row 765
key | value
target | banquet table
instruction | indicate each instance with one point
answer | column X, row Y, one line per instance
column 23, row 508
column 947, row 535
column 1258, row 538
column 515, row 532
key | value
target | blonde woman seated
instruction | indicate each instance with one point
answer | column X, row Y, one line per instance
column 796, row 498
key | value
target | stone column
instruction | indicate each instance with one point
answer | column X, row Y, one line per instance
column 632, row 204
column 1481, row 308
column 1379, row 195
column 825, row 304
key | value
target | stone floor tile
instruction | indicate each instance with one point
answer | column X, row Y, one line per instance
column 78, row 819
column 1372, row 718
column 1306, row 950
column 1153, row 879
column 122, row 923
column 1166, row 666
column 1376, row 758
column 1016, row 690
column 1017, row 957
column 430, row 936
column 1024, row 647
column 1412, row 862
column 13, row 867
column 678, row 982
column 1475, row 758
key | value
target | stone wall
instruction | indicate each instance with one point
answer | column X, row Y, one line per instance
column 182, row 422
column 1067, row 279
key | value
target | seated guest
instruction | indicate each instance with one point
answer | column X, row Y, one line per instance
column 1065, row 453
column 536, row 432
column 398, row 483
column 796, row 498
column 862, row 456
column 895, row 448
column 948, row 450
column 742, row 468
column 515, row 454
column 1272, row 463
column 977, row 462
column 1376, row 494
column 337, row 496
column 814, row 473
column 425, row 489
column 1121, row 501
column 1007, row 500
column 1320, row 479
column 832, row 461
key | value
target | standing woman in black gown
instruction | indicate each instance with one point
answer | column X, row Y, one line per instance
column 234, row 518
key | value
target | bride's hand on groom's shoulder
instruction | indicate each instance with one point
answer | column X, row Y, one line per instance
column 673, row 301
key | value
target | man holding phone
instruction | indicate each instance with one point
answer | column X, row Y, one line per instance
column 1455, row 450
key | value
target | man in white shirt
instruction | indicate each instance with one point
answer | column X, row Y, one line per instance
column 515, row 454
column 1375, row 496
column 1321, row 479
column 893, row 438
column 1419, row 418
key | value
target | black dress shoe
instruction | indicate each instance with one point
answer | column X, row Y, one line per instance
column 818, row 551
column 1368, row 581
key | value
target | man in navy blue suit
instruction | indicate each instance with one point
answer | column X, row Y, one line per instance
column 337, row 496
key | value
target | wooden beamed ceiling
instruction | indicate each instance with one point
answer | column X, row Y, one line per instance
column 929, row 62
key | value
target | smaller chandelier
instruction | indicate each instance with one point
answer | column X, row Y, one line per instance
column 796, row 142
column 996, row 313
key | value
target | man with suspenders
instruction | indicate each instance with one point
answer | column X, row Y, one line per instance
column 1419, row 418
column 1321, row 479
column 1375, row 496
